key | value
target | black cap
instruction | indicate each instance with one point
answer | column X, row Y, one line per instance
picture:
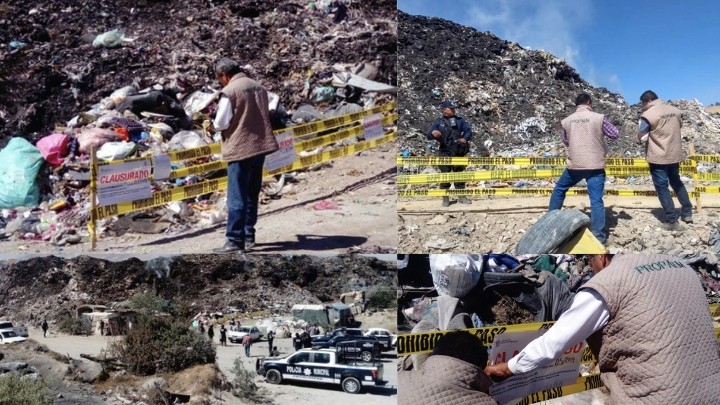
column 447, row 104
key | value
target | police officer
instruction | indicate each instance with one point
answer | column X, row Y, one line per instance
column 454, row 134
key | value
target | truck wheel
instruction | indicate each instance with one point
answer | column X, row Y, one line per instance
column 551, row 231
column 273, row 376
column 366, row 356
column 351, row 385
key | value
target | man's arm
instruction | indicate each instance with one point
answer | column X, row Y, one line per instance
column 224, row 114
column 465, row 130
column 587, row 314
column 609, row 129
column 643, row 128
column 565, row 139
column 434, row 132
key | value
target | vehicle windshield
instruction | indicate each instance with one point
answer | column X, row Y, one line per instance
column 8, row 334
column 6, row 325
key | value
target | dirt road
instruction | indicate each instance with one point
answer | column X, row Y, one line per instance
column 361, row 186
column 305, row 394
column 496, row 225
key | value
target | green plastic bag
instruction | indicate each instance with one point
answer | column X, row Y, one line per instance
column 20, row 163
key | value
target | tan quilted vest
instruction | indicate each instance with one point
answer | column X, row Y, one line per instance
column 658, row 346
column 250, row 133
column 665, row 144
column 586, row 143
column 444, row 380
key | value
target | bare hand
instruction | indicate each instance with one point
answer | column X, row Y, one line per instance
column 436, row 134
column 462, row 141
column 498, row 372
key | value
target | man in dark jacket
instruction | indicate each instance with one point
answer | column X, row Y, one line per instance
column 454, row 135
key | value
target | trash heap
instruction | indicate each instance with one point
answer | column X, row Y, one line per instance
column 259, row 285
column 107, row 75
column 513, row 97
column 499, row 289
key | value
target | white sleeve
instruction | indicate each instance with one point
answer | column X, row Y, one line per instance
column 587, row 314
column 224, row 114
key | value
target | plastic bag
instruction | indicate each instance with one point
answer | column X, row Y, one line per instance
column 455, row 275
column 54, row 148
column 95, row 137
column 323, row 93
column 109, row 39
column 186, row 140
column 116, row 150
column 21, row 163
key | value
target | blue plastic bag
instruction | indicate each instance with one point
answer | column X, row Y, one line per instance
column 20, row 163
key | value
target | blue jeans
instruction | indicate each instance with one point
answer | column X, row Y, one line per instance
column 596, row 188
column 247, row 351
column 244, row 183
column 661, row 176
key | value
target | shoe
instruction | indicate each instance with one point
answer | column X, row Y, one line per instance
column 671, row 226
column 446, row 202
column 229, row 247
column 249, row 241
column 464, row 200
column 687, row 220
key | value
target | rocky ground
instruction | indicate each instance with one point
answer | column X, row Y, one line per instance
column 41, row 287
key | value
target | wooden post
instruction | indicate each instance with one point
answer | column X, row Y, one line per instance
column 698, row 205
column 92, row 225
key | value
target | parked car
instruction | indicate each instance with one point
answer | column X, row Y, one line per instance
column 387, row 338
column 321, row 366
column 236, row 336
column 337, row 332
column 369, row 345
column 8, row 336
column 19, row 330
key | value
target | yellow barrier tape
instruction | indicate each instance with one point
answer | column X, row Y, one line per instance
column 338, row 136
column 117, row 162
column 715, row 310
column 582, row 384
column 707, row 176
column 330, row 123
column 705, row 158
column 162, row 197
column 411, row 179
column 519, row 161
column 333, row 154
column 524, row 191
column 195, row 153
column 198, row 169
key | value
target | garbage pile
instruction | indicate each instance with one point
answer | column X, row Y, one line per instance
column 108, row 76
column 262, row 285
column 513, row 97
column 499, row 289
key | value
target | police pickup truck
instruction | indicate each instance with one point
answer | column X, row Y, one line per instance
column 323, row 366
column 343, row 334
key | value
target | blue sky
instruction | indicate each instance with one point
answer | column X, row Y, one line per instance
column 670, row 47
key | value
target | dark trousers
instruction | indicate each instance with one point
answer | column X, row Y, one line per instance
column 662, row 175
column 450, row 169
column 244, row 183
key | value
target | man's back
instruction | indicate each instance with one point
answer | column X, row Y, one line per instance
column 658, row 346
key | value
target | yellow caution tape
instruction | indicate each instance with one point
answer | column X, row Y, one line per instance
column 485, row 175
column 333, row 154
column 330, row 123
column 707, row 176
column 582, row 384
column 195, row 153
column 340, row 135
column 705, row 158
column 519, row 161
column 525, row 192
column 715, row 310
column 161, row 198
column 181, row 193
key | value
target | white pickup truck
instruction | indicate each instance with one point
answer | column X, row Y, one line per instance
column 7, row 336
column 19, row 330
column 236, row 336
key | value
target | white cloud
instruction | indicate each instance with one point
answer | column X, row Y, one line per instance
column 551, row 25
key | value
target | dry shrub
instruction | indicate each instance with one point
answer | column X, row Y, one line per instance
column 161, row 344
column 16, row 390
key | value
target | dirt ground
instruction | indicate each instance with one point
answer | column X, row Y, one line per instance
column 296, row 394
column 496, row 225
column 362, row 186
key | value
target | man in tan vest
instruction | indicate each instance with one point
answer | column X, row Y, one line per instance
column 244, row 119
column 647, row 321
column 453, row 374
column 660, row 125
column 584, row 133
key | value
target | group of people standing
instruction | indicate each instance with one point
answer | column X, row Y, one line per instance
column 583, row 133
